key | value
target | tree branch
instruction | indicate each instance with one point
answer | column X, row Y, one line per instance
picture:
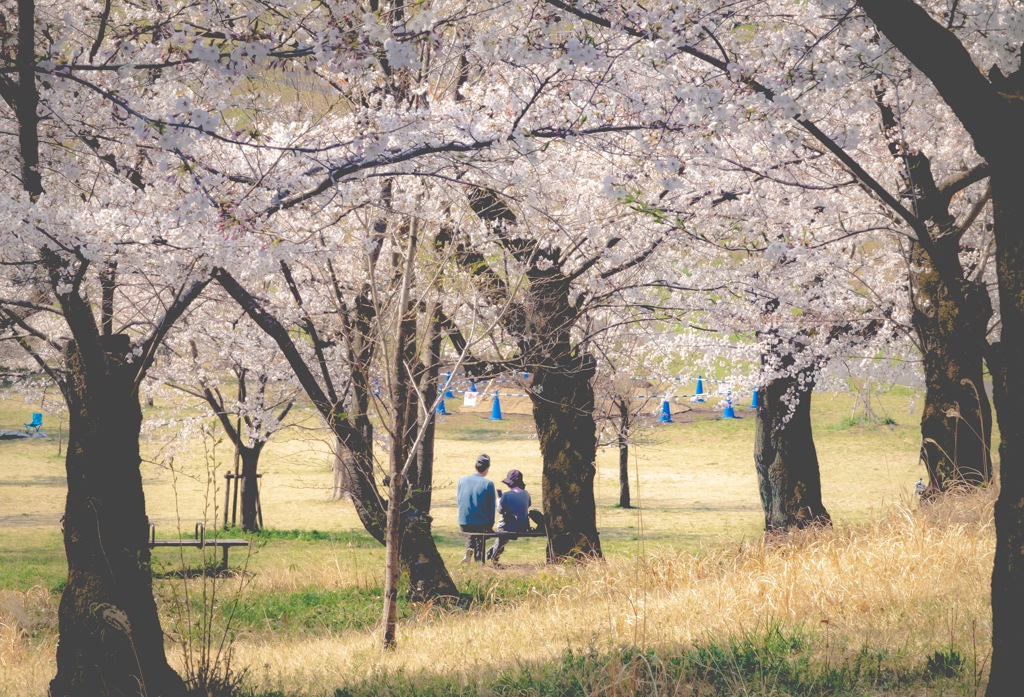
column 148, row 347
column 944, row 60
column 279, row 334
column 310, row 328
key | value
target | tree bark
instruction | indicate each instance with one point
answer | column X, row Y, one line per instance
column 563, row 411
column 956, row 424
column 428, row 576
column 339, row 488
column 250, row 487
column 950, row 318
column 420, row 495
column 110, row 636
column 403, row 425
column 992, row 114
column 562, row 394
column 397, row 490
column 786, row 459
column 623, row 439
column 1008, row 364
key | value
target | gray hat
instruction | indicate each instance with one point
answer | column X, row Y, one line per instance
column 483, row 462
column 514, row 479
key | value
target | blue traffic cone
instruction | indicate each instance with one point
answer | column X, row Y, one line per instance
column 496, row 409
column 753, row 400
column 728, row 412
column 666, row 412
column 441, row 411
column 448, row 386
column 472, row 385
column 698, row 395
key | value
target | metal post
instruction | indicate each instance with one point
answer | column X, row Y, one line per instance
column 234, row 499
column 227, row 497
column 259, row 506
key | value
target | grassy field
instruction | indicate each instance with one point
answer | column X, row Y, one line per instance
column 890, row 601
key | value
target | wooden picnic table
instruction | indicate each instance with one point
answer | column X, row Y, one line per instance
column 199, row 541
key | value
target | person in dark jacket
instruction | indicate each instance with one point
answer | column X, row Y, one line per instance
column 475, row 497
column 513, row 512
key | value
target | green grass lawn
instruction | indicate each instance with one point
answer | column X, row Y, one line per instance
column 692, row 482
column 315, row 575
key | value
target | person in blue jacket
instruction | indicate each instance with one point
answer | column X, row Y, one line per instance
column 514, row 512
column 476, row 499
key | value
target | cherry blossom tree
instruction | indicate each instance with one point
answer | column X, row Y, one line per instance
column 224, row 360
column 799, row 61
column 341, row 296
column 989, row 107
column 630, row 384
column 107, row 232
column 791, row 78
column 445, row 105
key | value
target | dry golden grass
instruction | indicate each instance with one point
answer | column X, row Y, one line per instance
column 914, row 582
column 684, row 567
column 27, row 641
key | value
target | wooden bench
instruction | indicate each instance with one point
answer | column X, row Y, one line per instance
column 484, row 536
column 199, row 541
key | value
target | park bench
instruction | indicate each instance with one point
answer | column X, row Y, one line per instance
column 199, row 541
column 484, row 536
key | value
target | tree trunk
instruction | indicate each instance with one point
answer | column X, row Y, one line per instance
column 956, row 425
column 423, row 480
column 110, row 642
column 1008, row 371
column 357, row 467
column 785, row 457
column 250, row 487
column 354, row 432
column 397, row 492
column 339, row 487
column 428, row 576
column 623, row 438
column 562, row 394
column 563, row 411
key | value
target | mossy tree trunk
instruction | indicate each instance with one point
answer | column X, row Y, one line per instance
column 110, row 640
column 786, row 459
column 563, row 412
column 956, row 424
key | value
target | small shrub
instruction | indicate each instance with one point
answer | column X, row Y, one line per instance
column 945, row 664
column 854, row 421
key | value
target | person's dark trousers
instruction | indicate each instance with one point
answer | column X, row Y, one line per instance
column 475, row 544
